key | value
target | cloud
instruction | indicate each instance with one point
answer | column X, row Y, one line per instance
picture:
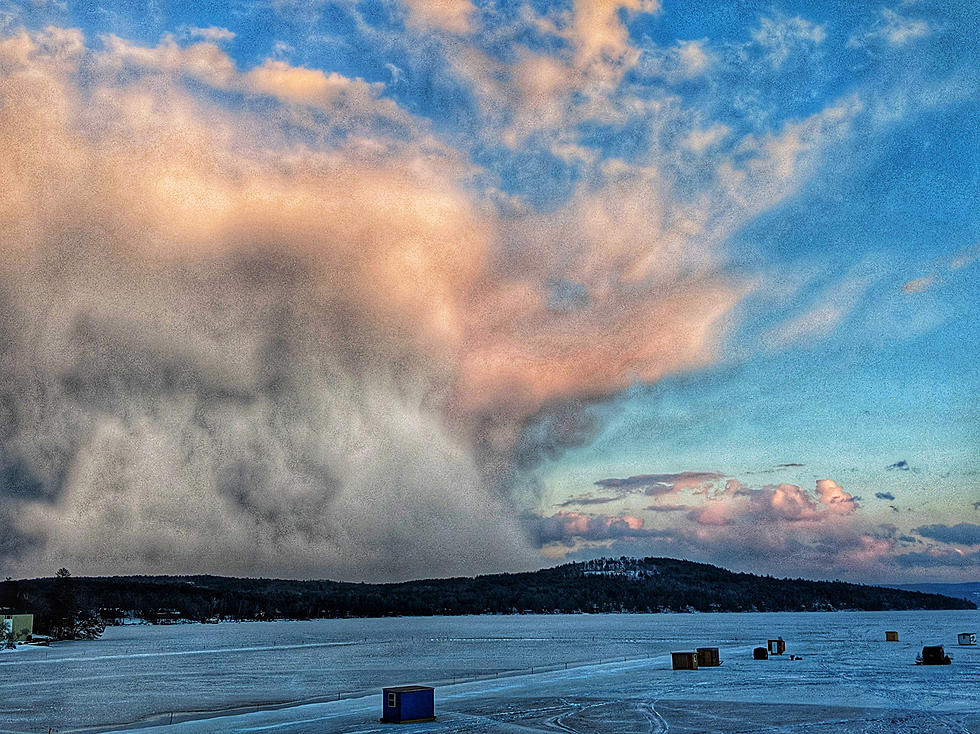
column 835, row 498
column 828, row 310
column 786, row 548
column 588, row 499
column 782, row 37
column 919, row 285
column 598, row 31
column 661, row 484
column 225, row 351
column 250, row 314
column 568, row 528
column 651, row 485
column 792, row 529
column 700, row 141
column 894, row 29
column 350, row 101
column 454, row 16
column 936, row 558
column 214, row 34
column 241, row 339
column 885, row 496
column 676, row 64
column 964, row 533
column 737, row 504
column 965, row 258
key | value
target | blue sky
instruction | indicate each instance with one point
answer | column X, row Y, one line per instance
column 731, row 248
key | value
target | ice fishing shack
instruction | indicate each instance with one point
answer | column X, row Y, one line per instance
column 708, row 657
column 777, row 646
column 684, row 660
column 933, row 655
column 406, row 704
column 967, row 638
column 891, row 636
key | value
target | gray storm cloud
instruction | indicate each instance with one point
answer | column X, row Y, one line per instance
column 215, row 362
column 227, row 419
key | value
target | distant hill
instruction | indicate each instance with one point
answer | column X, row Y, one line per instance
column 969, row 590
column 604, row 585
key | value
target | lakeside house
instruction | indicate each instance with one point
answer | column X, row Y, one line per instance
column 19, row 627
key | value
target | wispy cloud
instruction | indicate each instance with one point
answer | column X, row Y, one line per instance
column 894, row 29
column 919, row 285
column 669, row 508
column 661, row 484
column 782, row 36
column 214, row 34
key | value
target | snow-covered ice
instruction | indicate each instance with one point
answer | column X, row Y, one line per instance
column 257, row 675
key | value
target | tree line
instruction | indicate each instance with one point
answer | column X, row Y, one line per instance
column 68, row 607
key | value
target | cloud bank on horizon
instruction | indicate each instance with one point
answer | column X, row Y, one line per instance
column 385, row 290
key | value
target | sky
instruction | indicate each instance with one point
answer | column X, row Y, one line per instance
column 388, row 289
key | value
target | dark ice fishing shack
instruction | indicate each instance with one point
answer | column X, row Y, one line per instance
column 708, row 657
column 405, row 704
column 684, row 660
column 933, row 655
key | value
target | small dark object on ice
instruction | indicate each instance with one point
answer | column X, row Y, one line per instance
column 933, row 655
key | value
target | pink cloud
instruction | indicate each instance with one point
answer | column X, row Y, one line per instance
column 570, row 528
column 779, row 503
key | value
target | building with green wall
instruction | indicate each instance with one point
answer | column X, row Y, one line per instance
column 21, row 625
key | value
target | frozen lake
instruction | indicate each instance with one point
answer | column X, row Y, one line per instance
column 849, row 679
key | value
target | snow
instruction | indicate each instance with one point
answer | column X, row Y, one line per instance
column 849, row 679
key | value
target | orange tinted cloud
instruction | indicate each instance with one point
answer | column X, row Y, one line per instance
column 779, row 503
column 455, row 16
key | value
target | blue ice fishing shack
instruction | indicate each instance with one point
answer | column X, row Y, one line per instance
column 405, row 704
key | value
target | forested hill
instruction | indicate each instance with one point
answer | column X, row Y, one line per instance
column 969, row 590
column 604, row 585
